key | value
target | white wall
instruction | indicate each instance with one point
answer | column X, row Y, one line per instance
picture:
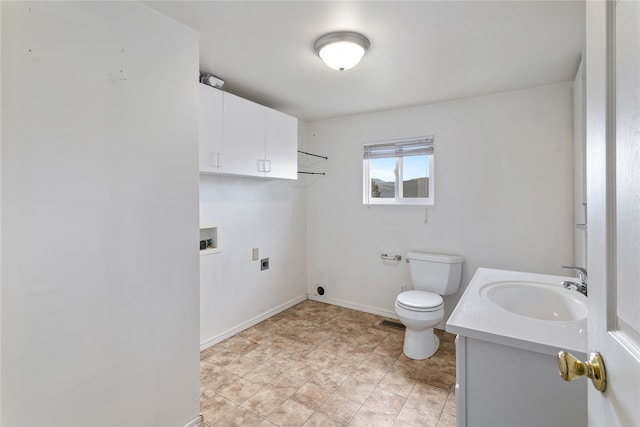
column 99, row 216
column 250, row 213
column 503, row 195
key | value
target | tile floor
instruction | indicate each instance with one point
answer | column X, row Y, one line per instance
column 317, row 364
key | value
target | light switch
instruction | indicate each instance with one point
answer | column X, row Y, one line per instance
column 255, row 255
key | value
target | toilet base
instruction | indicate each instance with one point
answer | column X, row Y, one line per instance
column 420, row 345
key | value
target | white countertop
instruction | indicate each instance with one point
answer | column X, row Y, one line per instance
column 476, row 317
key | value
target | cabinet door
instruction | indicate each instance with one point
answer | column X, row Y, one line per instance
column 243, row 136
column 210, row 114
column 281, row 145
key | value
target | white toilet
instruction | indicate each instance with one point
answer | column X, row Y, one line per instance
column 420, row 310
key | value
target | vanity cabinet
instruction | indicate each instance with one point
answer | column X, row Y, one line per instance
column 502, row 386
column 240, row 137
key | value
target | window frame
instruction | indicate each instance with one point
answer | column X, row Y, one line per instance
column 399, row 200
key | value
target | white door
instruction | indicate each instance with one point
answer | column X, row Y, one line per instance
column 613, row 203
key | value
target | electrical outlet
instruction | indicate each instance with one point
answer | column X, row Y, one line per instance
column 264, row 264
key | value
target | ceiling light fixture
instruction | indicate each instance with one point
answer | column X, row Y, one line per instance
column 341, row 50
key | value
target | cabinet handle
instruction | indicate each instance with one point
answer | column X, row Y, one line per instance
column 214, row 159
column 264, row 165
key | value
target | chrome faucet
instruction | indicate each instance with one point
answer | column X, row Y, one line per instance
column 582, row 275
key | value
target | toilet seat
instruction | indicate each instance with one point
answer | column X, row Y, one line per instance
column 421, row 301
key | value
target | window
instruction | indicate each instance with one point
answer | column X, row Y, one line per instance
column 398, row 172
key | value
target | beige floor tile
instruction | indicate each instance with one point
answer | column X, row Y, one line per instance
column 238, row 344
column 442, row 365
column 330, row 378
column 286, row 384
column 222, row 358
column 208, row 352
column 335, row 361
column 265, row 401
column 215, row 408
column 450, row 405
column 304, row 371
column 437, row 379
column 311, row 395
column 241, row 366
column 239, row 390
column 290, row 414
column 447, row 420
column 368, row 418
column 397, row 384
column 240, row 417
column 409, row 367
column 384, row 402
column 219, row 380
column 429, row 395
column 419, row 414
column 262, row 375
column 339, row 408
column 262, row 353
column 319, row 419
column 280, row 363
column 389, row 349
column 379, row 361
column 368, row 374
column 355, row 390
column 319, row 358
column 208, row 370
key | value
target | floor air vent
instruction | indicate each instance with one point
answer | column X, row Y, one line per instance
column 391, row 324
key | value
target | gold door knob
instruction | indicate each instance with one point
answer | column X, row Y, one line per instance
column 571, row 368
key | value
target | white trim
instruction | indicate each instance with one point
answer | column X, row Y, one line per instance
column 196, row 422
column 461, row 381
column 251, row 322
column 358, row 307
column 366, row 309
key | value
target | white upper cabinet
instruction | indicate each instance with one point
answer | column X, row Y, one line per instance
column 240, row 137
column 281, row 145
column 210, row 129
column 243, row 131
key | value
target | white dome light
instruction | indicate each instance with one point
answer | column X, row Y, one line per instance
column 341, row 50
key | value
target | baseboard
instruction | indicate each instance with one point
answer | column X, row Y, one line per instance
column 364, row 308
column 198, row 422
column 249, row 323
column 359, row 307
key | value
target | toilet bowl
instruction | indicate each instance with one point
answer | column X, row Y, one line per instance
column 419, row 311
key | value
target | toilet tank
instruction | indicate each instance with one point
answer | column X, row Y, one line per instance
column 435, row 272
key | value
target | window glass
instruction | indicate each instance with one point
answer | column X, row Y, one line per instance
column 383, row 178
column 399, row 172
column 415, row 176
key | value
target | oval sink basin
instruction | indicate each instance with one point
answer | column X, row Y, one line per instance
column 537, row 300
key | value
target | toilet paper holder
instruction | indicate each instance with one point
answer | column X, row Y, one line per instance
column 391, row 258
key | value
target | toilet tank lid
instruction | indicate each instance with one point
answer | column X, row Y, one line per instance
column 444, row 259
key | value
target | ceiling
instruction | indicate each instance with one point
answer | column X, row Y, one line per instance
column 421, row 52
